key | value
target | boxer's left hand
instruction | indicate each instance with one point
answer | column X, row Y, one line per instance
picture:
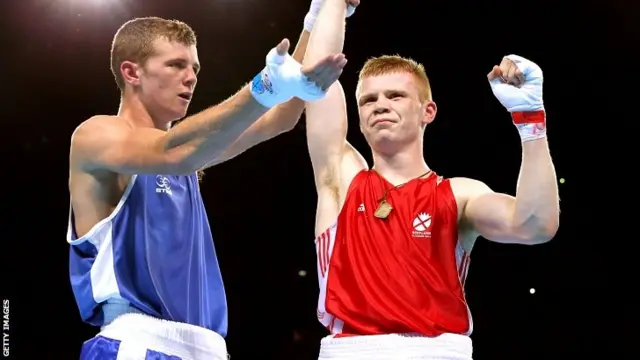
column 517, row 84
column 325, row 72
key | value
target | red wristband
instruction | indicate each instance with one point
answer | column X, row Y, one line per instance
column 529, row 117
column 532, row 125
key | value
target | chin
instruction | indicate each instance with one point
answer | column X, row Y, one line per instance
column 382, row 144
column 182, row 115
column 179, row 114
column 382, row 137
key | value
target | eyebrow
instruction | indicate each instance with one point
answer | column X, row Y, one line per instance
column 373, row 95
column 365, row 97
column 196, row 65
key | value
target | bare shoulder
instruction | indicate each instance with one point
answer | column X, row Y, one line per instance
column 92, row 134
column 95, row 190
column 464, row 189
column 96, row 127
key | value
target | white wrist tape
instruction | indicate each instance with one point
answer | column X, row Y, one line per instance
column 264, row 92
column 314, row 10
column 280, row 80
column 532, row 125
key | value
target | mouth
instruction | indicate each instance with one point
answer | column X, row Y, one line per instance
column 185, row 95
column 382, row 121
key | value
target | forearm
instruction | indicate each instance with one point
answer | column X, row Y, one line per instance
column 277, row 120
column 326, row 119
column 327, row 36
column 537, row 208
column 197, row 139
column 301, row 46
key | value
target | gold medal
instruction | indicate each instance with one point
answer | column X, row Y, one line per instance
column 383, row 210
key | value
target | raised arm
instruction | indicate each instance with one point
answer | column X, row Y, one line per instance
column 335, row 162
column 280, row 119
column 108, row 143
column 532, row 216
column 284, row 117
column 103, row 144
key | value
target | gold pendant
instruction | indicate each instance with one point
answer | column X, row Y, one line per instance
column 383, row 210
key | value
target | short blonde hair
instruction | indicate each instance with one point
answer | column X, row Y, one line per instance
column 389, row 64
column 134, row 41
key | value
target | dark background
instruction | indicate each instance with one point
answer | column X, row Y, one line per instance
column 55, row 67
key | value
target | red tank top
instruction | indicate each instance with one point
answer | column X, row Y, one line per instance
column 402, row 274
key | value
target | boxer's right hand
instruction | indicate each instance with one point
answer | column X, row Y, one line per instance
column 283, row 77
column 351, row 6
column 315, row 7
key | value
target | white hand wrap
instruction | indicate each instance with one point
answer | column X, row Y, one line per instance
column 282, row 79
column 524, row 103
column 314, row 10
column 528, row 97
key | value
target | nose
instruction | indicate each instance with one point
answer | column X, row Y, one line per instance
column 381, row 106
column 191, row 79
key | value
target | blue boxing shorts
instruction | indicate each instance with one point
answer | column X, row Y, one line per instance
column 134, row 336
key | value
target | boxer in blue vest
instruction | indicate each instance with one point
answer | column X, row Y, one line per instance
column 142, row 262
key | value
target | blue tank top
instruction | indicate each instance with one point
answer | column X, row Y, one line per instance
column 154, row 251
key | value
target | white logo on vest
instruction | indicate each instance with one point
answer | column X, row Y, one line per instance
column 164, row 186
column 421, row 225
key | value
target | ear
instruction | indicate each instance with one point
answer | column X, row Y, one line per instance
column 130, row 73
column 429, row 112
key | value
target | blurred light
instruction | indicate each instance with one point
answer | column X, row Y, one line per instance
column 297, row 336
column 561, row 180
column 532, row 291
column 302, row 273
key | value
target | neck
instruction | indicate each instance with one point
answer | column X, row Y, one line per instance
column 134, row 111
column 402, row 166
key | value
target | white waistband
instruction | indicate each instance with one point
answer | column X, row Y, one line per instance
column 186, row 341
column 397, row 346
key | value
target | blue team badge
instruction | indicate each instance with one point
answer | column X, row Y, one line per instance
column 256, row 84
column 261, row 83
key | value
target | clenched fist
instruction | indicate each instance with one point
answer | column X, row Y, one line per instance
column 517, row 84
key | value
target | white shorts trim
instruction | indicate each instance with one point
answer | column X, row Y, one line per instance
column 138, row 332
column 397, row 347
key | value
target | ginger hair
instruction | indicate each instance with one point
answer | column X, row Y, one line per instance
column 389, row 64
column 135, row 39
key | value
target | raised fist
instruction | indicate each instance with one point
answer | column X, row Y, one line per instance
column 517, row 84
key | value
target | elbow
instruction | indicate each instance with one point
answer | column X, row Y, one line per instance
column 290, row 126
column 287, row 126
column 536, row 229
column 542, row 234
